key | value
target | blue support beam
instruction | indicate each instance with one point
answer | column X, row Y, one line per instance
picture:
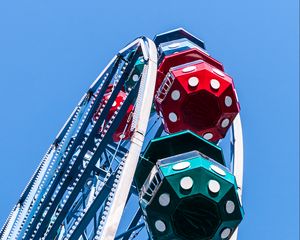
column 129, row 231
column 92, row 162
column 87, row 218
column 77, row 142
column 133, row 226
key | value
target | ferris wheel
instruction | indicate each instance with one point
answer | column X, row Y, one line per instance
column 153, row 150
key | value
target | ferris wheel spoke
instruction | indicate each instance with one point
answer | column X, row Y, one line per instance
column 133, row 226
column 87, row 215
column 81, row 176
column 72, row 195
column 79, row 140
column 128, row 234
column 34, row 191
column 93, row 160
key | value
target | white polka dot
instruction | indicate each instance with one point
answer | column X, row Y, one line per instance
column 135, row 77
column 174, row 45
column 122, row 136
column 186, row 183
column 193, row 81
column 217, row 170
column 173, row 117
column 164, row 199
column 230, row 207
column 225, row 233
column 215, row 84
column 175, row 95
column 219, row 72
column 228, row 101
column 189, row 69
column 214, row 186
column 160, row 226
column 114, row 104
column 225, row 123
column 181, row 166
column 208, row 136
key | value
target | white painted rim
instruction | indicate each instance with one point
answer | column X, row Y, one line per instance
column 145, row 99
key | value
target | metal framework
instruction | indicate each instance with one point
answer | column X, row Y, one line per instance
column 83, row 188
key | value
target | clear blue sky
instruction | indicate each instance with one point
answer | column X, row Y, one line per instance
column 51, row 51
